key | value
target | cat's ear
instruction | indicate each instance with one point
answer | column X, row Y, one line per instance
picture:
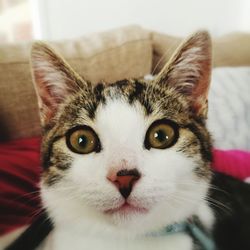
column 54, row 80
column 189, row 70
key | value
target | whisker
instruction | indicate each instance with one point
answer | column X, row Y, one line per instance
column 218, row 204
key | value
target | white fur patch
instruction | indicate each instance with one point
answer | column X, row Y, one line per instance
column 64, row 240
column 205, row 214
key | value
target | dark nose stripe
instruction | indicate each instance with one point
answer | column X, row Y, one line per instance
column 132, row 172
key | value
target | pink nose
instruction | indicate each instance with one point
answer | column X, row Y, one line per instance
column 124, row 180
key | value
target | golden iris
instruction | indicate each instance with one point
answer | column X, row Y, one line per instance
column 161, row 134
column 83, row 140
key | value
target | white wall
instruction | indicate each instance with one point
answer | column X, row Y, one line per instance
column 60, row 19
column 11, row 17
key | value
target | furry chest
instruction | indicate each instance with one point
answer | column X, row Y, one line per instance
column 61, row 241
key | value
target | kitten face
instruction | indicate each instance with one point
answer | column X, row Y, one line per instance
column 124, row 119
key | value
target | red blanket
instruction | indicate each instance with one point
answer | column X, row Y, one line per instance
column 20, row 170
column 19, row 178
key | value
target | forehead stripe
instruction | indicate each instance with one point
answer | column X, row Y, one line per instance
column 46, row 159
column 95, row 98
column 137, row 91
column 205, row 147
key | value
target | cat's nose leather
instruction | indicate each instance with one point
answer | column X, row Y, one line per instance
column 124, row 180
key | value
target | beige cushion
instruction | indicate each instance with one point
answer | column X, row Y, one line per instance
column 108, row 56
column 229, row 50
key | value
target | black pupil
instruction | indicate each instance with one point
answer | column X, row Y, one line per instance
column 161, row 136
column 83, row 141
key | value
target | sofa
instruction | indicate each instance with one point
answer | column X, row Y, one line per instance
column 128, row 52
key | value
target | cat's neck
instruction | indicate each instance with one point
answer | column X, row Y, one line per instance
column 82, row 237
column 61, row 239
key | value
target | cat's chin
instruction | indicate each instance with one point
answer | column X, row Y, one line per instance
column 126, row 209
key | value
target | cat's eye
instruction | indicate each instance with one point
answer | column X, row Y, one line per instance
column 83, row 140
column 161, row 134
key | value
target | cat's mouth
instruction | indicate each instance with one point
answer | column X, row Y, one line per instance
column 126, row 208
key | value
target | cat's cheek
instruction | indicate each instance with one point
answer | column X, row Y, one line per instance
column 86, row 170
column 54, row 202
column 167, row 173
column 167, row 165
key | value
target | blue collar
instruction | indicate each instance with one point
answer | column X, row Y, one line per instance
column 193, row 229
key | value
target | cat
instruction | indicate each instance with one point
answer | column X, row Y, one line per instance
column 124, row 161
